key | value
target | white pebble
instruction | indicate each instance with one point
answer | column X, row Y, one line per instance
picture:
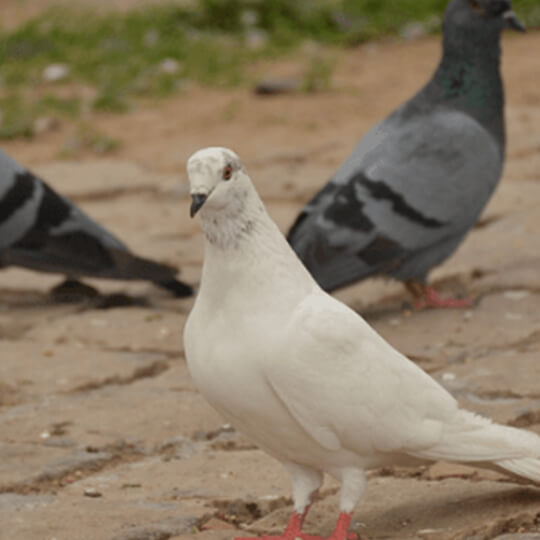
column 516, row 295
column 170, row 66
column 55, row 72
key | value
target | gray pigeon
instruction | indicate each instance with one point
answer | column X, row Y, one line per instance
column 41, row 230
column 418, row 181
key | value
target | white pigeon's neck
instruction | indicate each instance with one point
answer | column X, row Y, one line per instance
column 245, row 250
column 229, row 228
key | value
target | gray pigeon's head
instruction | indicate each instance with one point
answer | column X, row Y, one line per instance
column 217, row 179
column 481, row 15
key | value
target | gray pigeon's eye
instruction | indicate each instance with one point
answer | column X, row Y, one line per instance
column 475, row 5
column 227, row 172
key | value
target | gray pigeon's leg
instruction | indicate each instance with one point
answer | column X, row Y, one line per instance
column 425, row 296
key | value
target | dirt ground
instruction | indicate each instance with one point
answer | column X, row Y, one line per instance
column 103, row 435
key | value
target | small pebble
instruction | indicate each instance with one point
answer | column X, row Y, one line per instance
column 256, row 39
column 277, row 86
column 55, row 72
column 91, row 492
column 42, row 124
column 170, row 66
column 151, row 38
column 516, row 295
column 249, row 17
column 413, row 30
column 448, row 376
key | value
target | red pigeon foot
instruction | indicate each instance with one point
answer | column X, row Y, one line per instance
column 427, row 297
column 294, row 529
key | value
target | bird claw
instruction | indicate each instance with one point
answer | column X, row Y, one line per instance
column 299, row 536
column 427, row 297
column 284, row 536
column 449, row 303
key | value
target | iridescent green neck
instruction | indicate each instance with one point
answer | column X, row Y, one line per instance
column 468, row 78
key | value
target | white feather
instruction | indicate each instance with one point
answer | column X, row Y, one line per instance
column 303, row 375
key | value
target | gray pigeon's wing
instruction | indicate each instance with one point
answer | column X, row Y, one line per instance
column 402, row 201
column 42, row 230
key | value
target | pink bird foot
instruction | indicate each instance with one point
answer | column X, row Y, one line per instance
column 294, row 530
column 426, row 297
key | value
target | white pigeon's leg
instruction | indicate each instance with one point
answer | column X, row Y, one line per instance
column 305, row 484
column 353, row 485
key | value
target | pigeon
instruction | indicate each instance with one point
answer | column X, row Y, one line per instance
column 41, row 230
column 417, row 182
column 303, row 375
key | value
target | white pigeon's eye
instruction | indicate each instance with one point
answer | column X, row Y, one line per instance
column 227, row 172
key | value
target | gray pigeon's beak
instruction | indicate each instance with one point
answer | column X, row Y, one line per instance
column 511, row 21
column 197, row 200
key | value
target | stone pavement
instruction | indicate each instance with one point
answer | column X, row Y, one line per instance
column 104, row 437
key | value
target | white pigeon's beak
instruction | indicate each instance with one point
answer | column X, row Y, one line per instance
column 511, row 21
column 197, row 200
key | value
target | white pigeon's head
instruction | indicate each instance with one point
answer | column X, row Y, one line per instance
column 217, row 180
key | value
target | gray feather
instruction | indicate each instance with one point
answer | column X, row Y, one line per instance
column 418, row 181
column 43, row 231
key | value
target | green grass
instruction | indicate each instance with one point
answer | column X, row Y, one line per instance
column 210, row 43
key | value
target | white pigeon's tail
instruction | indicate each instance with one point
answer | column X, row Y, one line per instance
column 474, row 440
column 528, row 468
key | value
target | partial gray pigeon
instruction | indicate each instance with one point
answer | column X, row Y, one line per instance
column 418, row 181
column 303, row 375
column 41, row 230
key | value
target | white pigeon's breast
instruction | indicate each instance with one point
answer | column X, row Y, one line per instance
column 224, row 365
column 226, row 368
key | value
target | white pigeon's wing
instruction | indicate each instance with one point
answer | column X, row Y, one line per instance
column 348, row 388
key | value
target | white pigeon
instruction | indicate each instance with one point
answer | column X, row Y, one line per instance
column 304, row 376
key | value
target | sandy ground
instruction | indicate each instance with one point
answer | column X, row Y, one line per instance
column 103, row 435
column 15, row 12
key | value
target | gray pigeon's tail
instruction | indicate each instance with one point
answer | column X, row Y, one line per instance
column 43, row 231
column 88, row 257
column 129, row 267
column 177, row 288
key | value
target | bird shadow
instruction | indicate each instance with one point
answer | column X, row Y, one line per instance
column 456, row 285
column 70, row 292
column 491, row 513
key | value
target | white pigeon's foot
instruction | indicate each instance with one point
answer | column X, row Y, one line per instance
column 426, row 297
column 294, row 530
